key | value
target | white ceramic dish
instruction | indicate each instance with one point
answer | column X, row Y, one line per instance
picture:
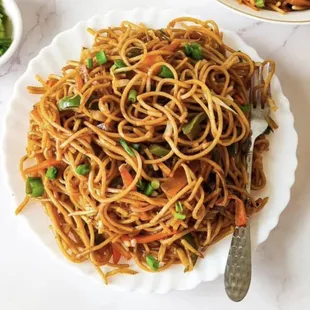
column 12, row 10
column 298, row 17
column 280, row 162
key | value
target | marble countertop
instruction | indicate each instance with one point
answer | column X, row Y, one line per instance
column 30, row 278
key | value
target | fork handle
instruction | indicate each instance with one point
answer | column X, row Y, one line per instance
column 239, row 267
column 238, row 272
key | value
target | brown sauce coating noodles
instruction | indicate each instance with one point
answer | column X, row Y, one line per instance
column 280, row 6
column 147, row 134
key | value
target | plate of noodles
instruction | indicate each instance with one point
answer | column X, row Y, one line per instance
column 125, row 146
column 276, row 11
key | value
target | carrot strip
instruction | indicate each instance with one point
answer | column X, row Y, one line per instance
column 126, row 176
column 116, row 254
column 149, row 61
column 150, row 238
column 172, row 46
column 173, row 185
column 122, row 251
column 79, row 81
column 43, row 165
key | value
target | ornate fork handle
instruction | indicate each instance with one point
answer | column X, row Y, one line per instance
column 239, row 267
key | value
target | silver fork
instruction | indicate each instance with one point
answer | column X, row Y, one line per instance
column 238, row 270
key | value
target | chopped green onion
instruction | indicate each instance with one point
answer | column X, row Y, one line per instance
column 126, row 147
column 179, row 216
column 148, row 190
column 260, row 3
column 82, row 169
column 101, row 58
column 165, row 72
column 155, row 184
column 158, row 150
column 192, row 128
column 152, row 262
column 34, row 187
column 90, row 63
column 69, row 102
column 187, row 50
column 196, row 51
column 141, row 185
column 136, row 146
column 119, row 63
column 193, row 50
column 132, row 96
column 51, row 173
column 245, row 108
column 179, row 207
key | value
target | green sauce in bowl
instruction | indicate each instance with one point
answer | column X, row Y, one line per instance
column 5, row 31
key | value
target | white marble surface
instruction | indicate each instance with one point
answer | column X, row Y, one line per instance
column 32, row 279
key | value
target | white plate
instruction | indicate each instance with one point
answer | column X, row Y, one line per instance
column 280, row 162
column 298, row 17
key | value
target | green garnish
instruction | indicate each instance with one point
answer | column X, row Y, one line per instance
column 179, row 216
column 119, row 63
column 82, row 169
column 155, row 184
column 141, row 185
column 260, row 3
column 152, row 262
column 5, row 43
column 126, row 147
column 196, row 51
column 34, row 187
column 192, row 128
column 151, row 187
column 179, row 207
column 90, row 63
column 69, row 102
column 101, row 58
column 51, row 173
column 5, row 40
column 187, row 50
column 132, row 96
column 245, row 108
column 136, row 146
column 158, row 150
column 193, row 50
column 165, row 72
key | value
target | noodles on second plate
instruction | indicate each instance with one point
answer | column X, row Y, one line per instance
column 141, row 145
column 281, row 6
